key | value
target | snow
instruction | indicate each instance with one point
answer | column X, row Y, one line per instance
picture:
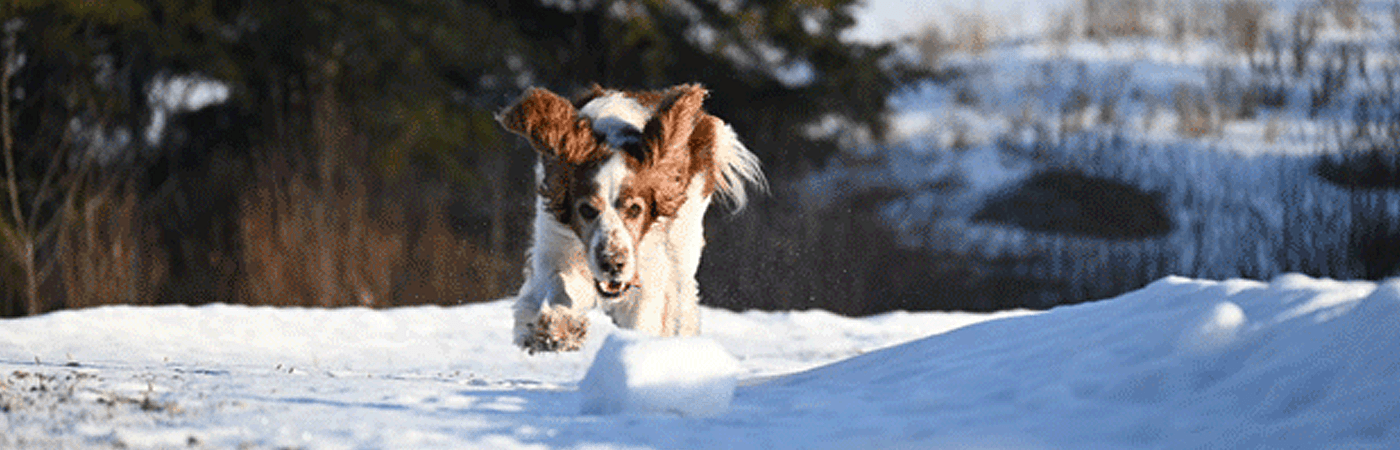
column 1294, row 362
column 635, row 373
column 172, row 95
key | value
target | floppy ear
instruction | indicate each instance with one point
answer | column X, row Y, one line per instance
column 703, row 142
column 551, row 124
column 667, row 137
column 670, row 127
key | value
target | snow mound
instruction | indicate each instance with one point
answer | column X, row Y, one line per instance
column 635, row 373
column 1292, row 363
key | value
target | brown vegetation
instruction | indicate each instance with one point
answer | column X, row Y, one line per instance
column 300, row 248
column 107, row 254
column 1105, row 19
column 1196, row 116
column 1245, row 25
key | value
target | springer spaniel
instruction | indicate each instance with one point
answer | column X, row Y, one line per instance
column 624, row 179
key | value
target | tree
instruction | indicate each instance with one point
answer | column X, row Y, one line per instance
column 47, row 52
column 775, row 68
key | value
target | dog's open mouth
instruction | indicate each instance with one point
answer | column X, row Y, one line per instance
column 611, row 289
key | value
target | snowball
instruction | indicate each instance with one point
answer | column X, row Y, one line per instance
column 1216, row 329
column 635, row 373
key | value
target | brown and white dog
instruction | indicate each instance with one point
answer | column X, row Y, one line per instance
column 624, row 180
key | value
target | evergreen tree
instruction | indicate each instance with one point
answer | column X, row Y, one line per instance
column 774, row 67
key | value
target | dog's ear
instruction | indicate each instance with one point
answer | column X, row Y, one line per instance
column 552, row 125
column 670, row 127
column 667, row 137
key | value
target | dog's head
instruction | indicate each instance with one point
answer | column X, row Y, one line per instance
column 614, row 164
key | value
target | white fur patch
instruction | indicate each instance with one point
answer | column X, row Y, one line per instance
column 611, row 231
column 618, row 118
column 611, row 176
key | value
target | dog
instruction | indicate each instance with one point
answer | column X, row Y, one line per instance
column 624, row 179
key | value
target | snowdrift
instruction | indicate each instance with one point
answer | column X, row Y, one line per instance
column 1296, row 363
column 636, row 373
column 1292, row 363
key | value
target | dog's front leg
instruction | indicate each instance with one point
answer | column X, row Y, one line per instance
column 545, row 320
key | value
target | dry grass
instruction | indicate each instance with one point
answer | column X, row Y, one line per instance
column 1345, row 14
column 1177, row 28
column 304, row 248
column 932, row 46
column 1333, row 78
column 973, row 33
column 1063, row 30
column 445, row 268
column 340, row 237
column 1229, row 95
column 106, row 254
column 1202, row 19
column 1106, row 19
column 1303, row 31
column 1245, row 21
column 1074, row 110
column 1196, row 115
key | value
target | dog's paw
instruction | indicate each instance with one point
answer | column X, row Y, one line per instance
column 556, row 330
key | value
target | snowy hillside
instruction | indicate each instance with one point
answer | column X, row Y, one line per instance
column 1264, row 132
column 1294, row 363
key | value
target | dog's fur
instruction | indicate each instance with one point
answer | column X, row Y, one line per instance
column 624, row 180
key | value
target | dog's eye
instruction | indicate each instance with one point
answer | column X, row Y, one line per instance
column 633, row 211
column 587, row 211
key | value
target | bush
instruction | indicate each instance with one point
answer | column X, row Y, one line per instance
column 1057, row 201
column 1363, row 169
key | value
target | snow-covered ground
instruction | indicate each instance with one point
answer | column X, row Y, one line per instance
column 1293, row 363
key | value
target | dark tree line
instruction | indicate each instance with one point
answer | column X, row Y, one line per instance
column 356, row 160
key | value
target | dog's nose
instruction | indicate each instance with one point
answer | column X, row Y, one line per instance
column 612, row 262
column 613, row 265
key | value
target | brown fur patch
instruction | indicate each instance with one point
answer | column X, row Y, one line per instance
column 702, row 151
column 667, row 173
column 565, row 141
column 650, row 99
column 553, row 127
column 563, row 184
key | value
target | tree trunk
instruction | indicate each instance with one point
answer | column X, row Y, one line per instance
column 31, row 277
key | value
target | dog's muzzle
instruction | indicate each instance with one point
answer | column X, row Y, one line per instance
column 611, row 289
